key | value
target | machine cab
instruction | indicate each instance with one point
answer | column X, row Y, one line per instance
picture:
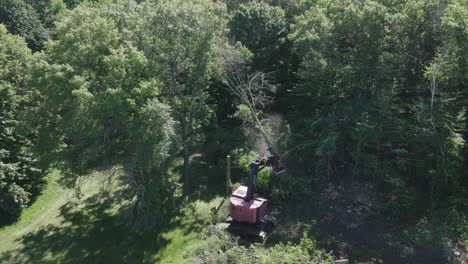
column 246, row 211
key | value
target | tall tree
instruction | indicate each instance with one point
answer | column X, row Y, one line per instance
column 342, row 46
column 19, row 179
column 21, row 18
column 448, row 74
column 182, row 45
column 262, row 29
column 100, row 102
column 366, row 96
column 252, row 90
column 47, row 10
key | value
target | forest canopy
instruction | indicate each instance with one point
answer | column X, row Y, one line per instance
column 351, row 93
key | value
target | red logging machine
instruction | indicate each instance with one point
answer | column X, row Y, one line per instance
column 247, row 214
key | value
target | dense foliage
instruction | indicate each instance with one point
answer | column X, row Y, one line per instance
column 19, row 178
column 220, row 248
column 112, row 92
column 373, row 100
column 30, row 19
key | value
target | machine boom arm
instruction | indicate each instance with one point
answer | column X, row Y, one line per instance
column 255, row 167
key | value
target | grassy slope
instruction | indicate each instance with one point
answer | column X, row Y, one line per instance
column 185, row 236
column 44, row 211
column 59, row 227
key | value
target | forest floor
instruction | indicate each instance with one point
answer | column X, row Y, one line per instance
column 351, row 224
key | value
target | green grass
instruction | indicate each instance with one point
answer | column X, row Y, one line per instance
column 44, row 211
column 194, row 218
column 62, row 227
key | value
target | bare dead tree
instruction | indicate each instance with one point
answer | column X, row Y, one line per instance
column 251, row 88
column 434, row 84
column 433, row 87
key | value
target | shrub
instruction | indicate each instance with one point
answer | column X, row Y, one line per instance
column 220, row 247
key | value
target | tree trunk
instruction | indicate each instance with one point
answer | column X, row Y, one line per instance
column 186, row 170
column 464, row 178
column 260, row 127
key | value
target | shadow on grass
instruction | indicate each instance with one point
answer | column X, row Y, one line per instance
column 6, row 219
column 207, row 181
column 86, row 234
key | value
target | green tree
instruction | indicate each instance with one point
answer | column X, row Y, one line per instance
column 100, row 103
column 448, row 74
column 19, row 179
column 47, row 10
column 262, row 29
column 21, row 18
column 72, row 3
column 364, row 100
column 181, row 41
column 343, row 49
column 126, row 62
column 425, row 116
